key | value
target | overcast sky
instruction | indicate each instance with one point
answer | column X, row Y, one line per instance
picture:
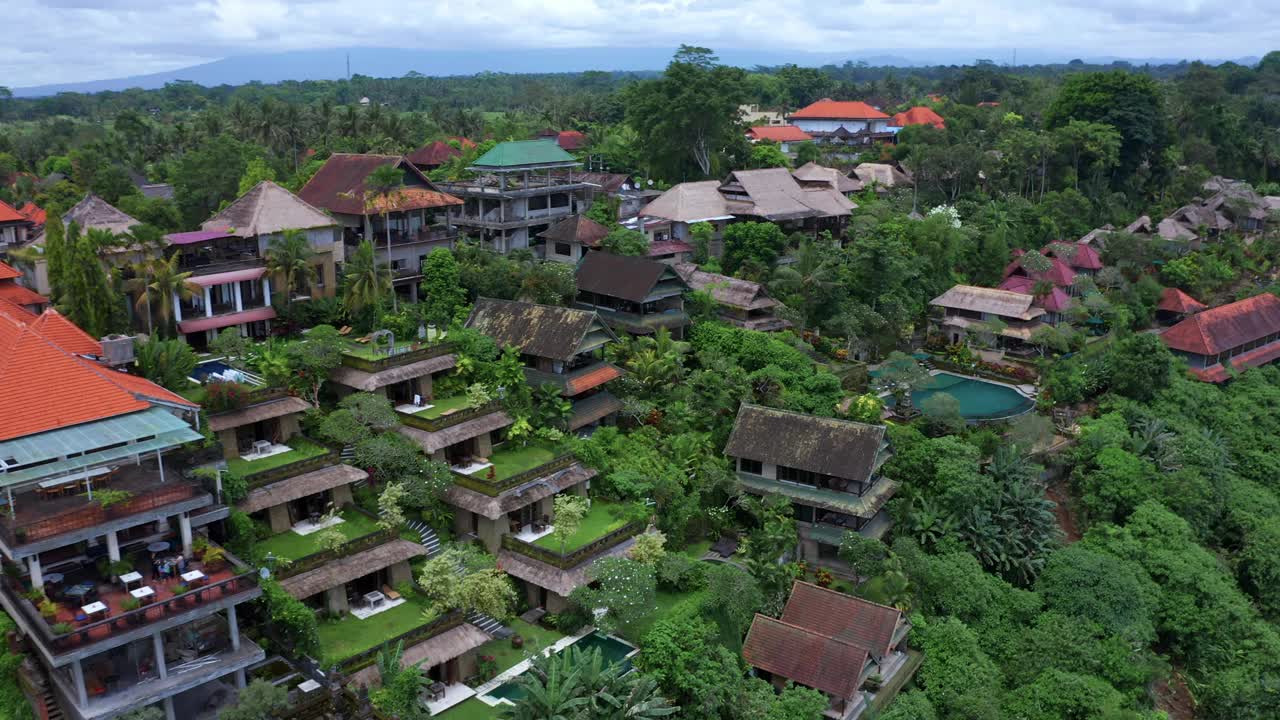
column 50, row 41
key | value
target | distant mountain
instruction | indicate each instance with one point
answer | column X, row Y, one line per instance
column 396, row 62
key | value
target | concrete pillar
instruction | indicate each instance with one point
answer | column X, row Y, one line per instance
column 341, row 495
column 335, row 600
column 400, row 573
column 278, row 517
column 240, row 679
column 439, row 456
column 484, row 446
column 177, row 308
column 228, row 440
column 158, row 647
column 184, row 529
column 287, row 426
column 208, row 301
column 168, row 708
column 233, row 627
column 490, row 532
column 113, row 546
column 266, row 290
column 424, row 387
column 77, row 675
column 37, row 575
column 239, row 298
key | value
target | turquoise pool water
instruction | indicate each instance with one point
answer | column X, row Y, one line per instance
column 611, row 649
column 979, row 400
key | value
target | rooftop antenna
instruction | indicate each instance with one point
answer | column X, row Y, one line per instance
column 1015, row 60
column 348, row 66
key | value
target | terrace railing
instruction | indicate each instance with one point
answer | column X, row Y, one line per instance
column 371, row 365
column 447, row 421
column 258, row 478
column 496, row 487
column 91, row 513
column 434, row 627
column 573, row 558
column 350, row 547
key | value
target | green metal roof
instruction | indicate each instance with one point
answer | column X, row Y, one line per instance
column 865, row 506
column 90, row 444
column 524, row 154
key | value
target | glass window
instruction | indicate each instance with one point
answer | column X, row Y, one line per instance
column 564, row 249
column 755, row 467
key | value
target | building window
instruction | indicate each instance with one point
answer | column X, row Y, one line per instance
column 564, row 249
column 804, row 513
column 755, row 467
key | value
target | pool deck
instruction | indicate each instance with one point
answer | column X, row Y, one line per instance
column 511, row 673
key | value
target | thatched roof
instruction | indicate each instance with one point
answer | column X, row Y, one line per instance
column 560, row 582
column 300, row 486
column 774, row 194
column 989, row 300
column 452, row 643
column 257, row 413
column 516, row 498
column 433, row 441
column 545, row 331
column 882, row 174
column 727, row 290
column 94, row 213
column 596, row 407
column 344, row 570
column 368, row 382
column 576, row 229
column 813, row 173
column 841, row 448
column 267, row 208
column 689, row 202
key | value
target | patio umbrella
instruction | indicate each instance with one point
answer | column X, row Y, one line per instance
column 158, row 546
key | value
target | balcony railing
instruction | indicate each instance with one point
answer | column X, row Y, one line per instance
column 446, row 421
column 575, row 557
column 371, row 365
column 496, row 487
column 92, row 514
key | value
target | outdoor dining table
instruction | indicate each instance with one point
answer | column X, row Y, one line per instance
column 79, row 590
column 53, row 578
column 94, row 608
column 158, row 546
column 193, row 578
column 129, row 578
column 142, row 593
column 374, row 599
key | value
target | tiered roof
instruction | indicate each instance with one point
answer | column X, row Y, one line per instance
column 339, row 185
column 265, row 209
column 546, row 331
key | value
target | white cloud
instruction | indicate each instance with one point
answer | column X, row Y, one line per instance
column 75, row 40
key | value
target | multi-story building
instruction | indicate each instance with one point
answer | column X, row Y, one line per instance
column 843, row 123
column 741, row 303
column 14, row 294
column 828, row 468
column 14, row 227
column 404, row 225
column 98, row 511
column 1011, row 317
column 521, row 188
column 632, row 294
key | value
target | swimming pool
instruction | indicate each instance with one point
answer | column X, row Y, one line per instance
column 612, row 650
column 215, row 370
column 979, row 399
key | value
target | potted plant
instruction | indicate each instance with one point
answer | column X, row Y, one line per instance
column 36, row 596
column 48, row 609
column 62, row 628
column 517, row 641
column 214, row 558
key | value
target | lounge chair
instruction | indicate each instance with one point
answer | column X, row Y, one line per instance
column 390, row 593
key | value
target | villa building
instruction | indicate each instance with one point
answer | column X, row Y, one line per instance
column 267, row 420
column 741, row 303
column 569, row 240
column 813, row 176
column 884, row 177
column 1238, row 335
column 91, row 213
column 95, row 495
column 829, row 469
column 786, row 136
column 14, row 227
column 843, row 123
column 521, row 189
column 434, row 154
column 634, row 295
column 13, row 294
column 833, row 643
column 561, row 346
column 1010, row 316
column 1175, row 306
column 403, row 370
column 626, row 190
column 414, row 223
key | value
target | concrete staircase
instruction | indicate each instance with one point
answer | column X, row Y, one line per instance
column 427, row 536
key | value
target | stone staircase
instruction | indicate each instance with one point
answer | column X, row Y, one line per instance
column 427, row 536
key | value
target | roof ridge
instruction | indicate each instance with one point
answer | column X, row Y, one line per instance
column 814, row 633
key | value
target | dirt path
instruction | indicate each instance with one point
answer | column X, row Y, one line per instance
column 1173, row 697
column 1062, row 510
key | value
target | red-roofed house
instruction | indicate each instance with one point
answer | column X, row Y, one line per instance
column 17, row 294
column 433, row 155
column 1241, row 334
column 919, row 115
column 14, row 227
column 1175, row 305
column 833, row 643
column 843, row 122
column 34, row 213
column 568, row 140
column 787, row 136
column 1083, row 258
column 1059, row 272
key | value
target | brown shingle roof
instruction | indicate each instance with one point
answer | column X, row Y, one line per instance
column 494, row 507
column 95, row 213
column 989, row 300
column 258, row 413
column 620, row 276
column 546, row 331
column 434, row 154
column 844, row 617
column 300, row 486
column 339, row 185
column 344, row 570
column 727, row 290
column 370, row 381
column 579, row 229
column 1226, row 326
column 841, row 448
column 805, row 657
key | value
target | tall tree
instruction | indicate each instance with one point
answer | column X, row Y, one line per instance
column 384, row 185
column 88, row 296
column 442, row 284
column 289, row 256
column 364, row 282
column 160, row 284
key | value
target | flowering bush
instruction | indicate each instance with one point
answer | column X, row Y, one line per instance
column 824, row 577
column 224, row 396
column 487, row 667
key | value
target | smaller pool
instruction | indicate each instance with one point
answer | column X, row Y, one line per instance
column 219, row 371
column 979, row 399
column 611, row 649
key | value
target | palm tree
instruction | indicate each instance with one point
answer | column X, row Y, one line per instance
column 552, row 689
column 158, row 282
column 383, row 188
column 363, row 280
column 290, row 255
column 808, row 280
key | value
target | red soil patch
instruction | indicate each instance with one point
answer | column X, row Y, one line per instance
column 1173, row 697
column 1062, row 510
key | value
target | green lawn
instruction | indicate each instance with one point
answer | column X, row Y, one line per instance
column 371, row 351
column 441, row 405
column 195, row 394
column 536, row 638
column 472, row 709
column 340, row 639
column 290, row 544
column 302, row 449
column 598, row 522
column 511, row 459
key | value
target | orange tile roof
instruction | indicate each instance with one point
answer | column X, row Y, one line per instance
column 919, row 115
column 804, row 656
column 55, row 327
column 778, row 133
column 828, row 109
column 1226, row 327
column 593, row 379
column 46, row 387
column 21, row 295
column 8, row 214
column 8, row 272
column 16, row 310
column 34, row 213
column 1175, row 301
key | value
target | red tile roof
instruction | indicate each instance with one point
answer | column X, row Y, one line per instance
column 8, row 214
column 590, row 380
column 21, row 295
column 778, row 133
column 339, row 184
column 1077, row 255
column 571, row 140
column 805, row 657
column 843, row 617
column 46, row 387
column 8, row 307
column 1225, row 327
column 918, row 115
column 34, row 213
column 1175, row 301
column 1059, row 273
column 828, row 109
column 56, row 328
column 8, row 272
column 434, row 154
